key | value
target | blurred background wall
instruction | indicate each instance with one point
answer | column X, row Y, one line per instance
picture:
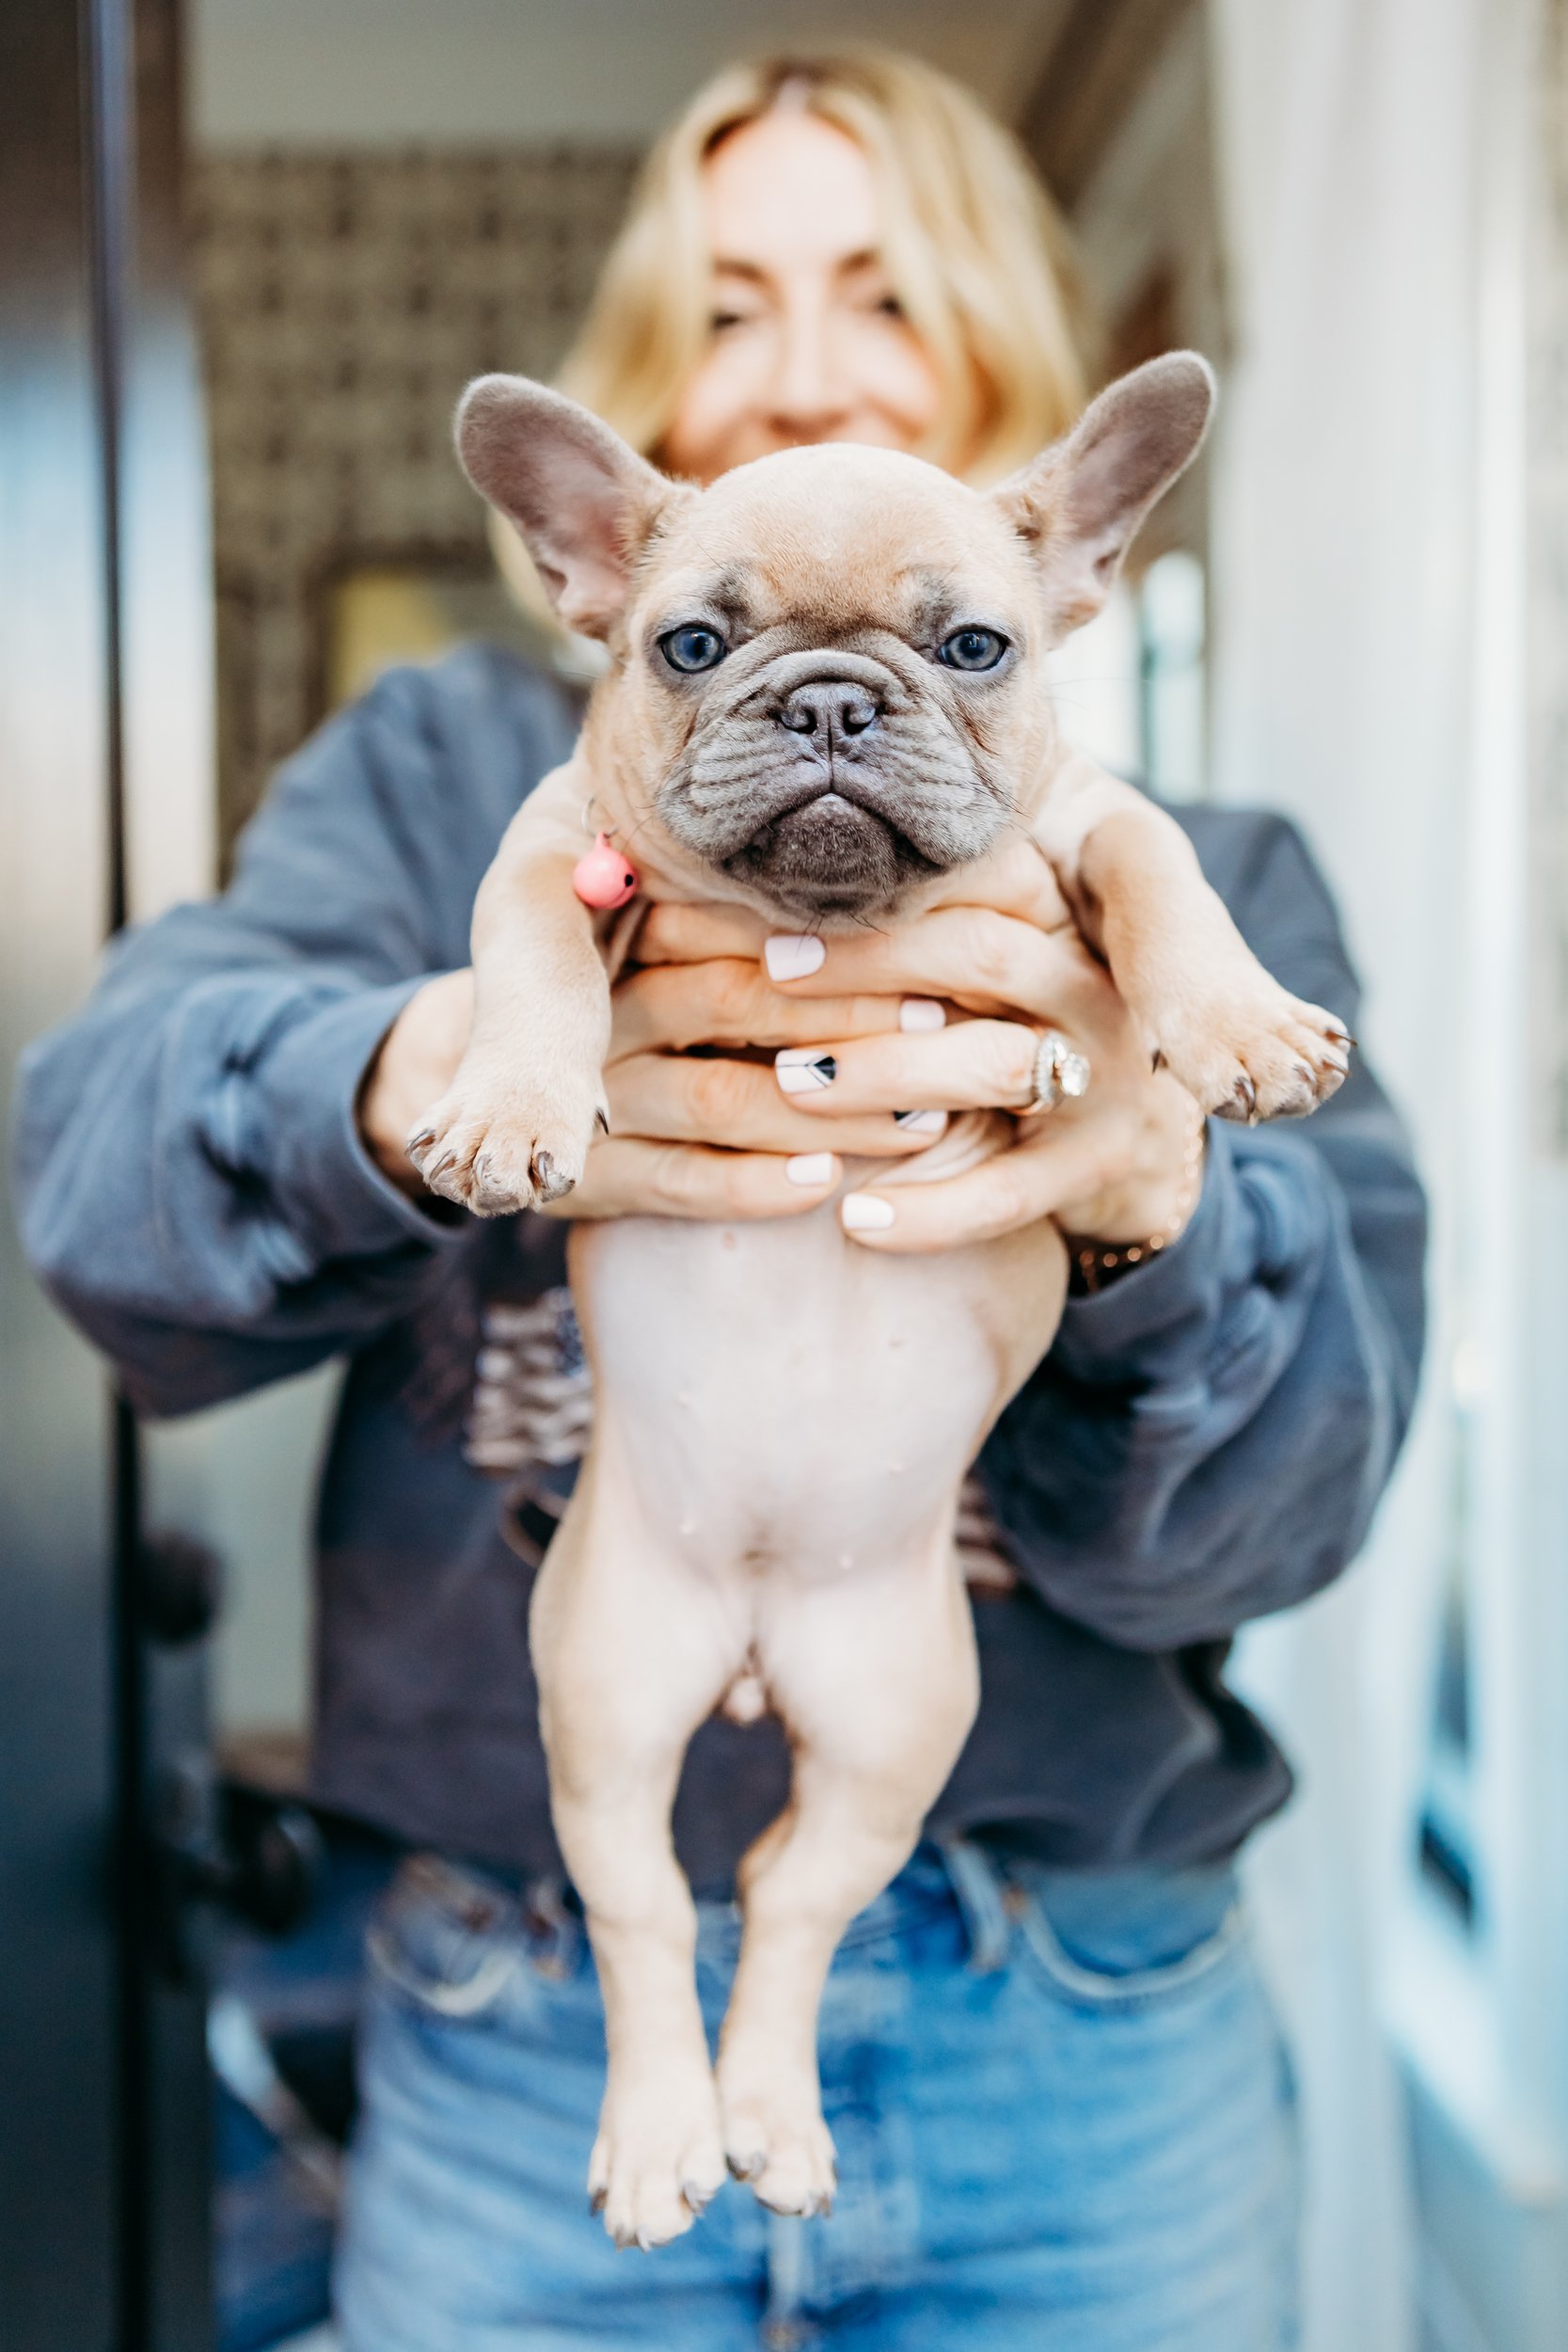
column 1387, row 584
column 342, row 293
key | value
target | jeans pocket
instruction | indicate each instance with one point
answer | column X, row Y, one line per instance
column 461, row 1949
column 1187, row 1960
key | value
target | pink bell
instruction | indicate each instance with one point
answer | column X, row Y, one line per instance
column 602, row 877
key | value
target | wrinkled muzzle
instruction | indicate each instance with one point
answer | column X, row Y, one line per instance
column 830, row 783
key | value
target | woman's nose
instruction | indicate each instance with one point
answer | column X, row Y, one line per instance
column 808, row 394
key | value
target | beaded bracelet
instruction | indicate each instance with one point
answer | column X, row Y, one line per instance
column 1095, row 1264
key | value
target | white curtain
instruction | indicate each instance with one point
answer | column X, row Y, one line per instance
column 1352, row 160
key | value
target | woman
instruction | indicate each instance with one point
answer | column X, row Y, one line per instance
column 1060, row 2103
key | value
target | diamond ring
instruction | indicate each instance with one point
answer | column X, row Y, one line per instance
column 1060, row 1072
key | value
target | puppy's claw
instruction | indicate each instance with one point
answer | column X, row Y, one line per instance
column 597, row 2200
column 697, row 2196
column 601, row 1119
column 1242, row 1104
column 549, row 1182
column 1157, row 1062
column 746, row 2167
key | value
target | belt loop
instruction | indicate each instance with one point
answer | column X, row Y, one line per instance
column 548, row 1919
column 978, row 1887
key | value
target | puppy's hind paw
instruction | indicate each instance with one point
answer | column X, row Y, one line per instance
column 775, row 2139
column 656, row 2167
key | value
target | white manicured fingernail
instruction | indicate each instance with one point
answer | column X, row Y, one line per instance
column 793, row 959
column 921, row 1012
column 865, row 1213
column 810, row 1168
column 921, row 1123
column 805, row 1069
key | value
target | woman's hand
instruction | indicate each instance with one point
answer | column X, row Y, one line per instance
column 706, row 1135
column 414, row 1065
column 1113, row 1166
column 710, row 1134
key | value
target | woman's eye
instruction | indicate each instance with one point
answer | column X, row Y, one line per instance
column 694, row 647
column 972, row 649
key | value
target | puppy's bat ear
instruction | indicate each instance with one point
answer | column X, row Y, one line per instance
column 583, row 500
column 1080, row 504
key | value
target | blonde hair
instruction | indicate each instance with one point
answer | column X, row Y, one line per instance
column 973, row 246
column 974, row 249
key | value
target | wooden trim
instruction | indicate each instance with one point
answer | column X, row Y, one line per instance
column 1097, row 65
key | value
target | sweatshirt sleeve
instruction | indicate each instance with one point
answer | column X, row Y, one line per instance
column 195, row 1193
column 1208, row 1437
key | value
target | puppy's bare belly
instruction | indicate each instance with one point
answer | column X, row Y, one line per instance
column 772, row 1398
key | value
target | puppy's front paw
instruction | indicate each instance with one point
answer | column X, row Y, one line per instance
column 658, row 2159
column 500, row 1140
column 1258, row 1053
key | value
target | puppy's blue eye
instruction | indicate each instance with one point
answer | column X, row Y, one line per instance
column 972, row 649
column 694, row 647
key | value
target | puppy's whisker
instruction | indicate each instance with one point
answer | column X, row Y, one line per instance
column 646, row 818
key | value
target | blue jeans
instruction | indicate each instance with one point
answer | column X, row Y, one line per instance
column 1064, row 2118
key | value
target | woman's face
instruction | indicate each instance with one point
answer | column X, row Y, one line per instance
column 808, row 343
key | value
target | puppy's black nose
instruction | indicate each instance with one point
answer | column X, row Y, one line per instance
column 829, row 707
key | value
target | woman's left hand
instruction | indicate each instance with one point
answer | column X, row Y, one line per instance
column 1111, row 1165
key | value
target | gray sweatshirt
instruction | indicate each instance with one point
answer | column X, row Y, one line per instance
column 1205, row 1442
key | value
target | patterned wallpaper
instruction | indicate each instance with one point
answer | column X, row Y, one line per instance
column 344, row 301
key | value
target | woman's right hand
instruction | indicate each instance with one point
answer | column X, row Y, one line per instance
column 699, row 1135
column 414, row 1065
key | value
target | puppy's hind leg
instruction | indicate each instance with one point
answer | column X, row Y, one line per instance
column 628, row 1664
column 877, row 1679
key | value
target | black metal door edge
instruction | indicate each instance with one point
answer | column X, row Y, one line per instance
column 105, row 2178
column 58, row 2013
column 133, row 161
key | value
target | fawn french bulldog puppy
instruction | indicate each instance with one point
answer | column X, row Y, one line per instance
column 825, row 703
